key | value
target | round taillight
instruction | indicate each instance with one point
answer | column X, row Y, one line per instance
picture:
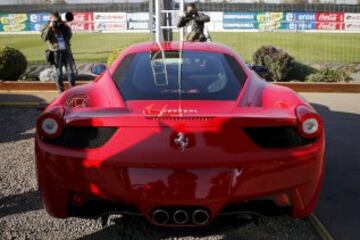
column 49, row 126
column 309, row 122
column 51, row 123
column 310, row 126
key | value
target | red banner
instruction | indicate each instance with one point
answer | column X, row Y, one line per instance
column 329, row 26
column 82, row 27
column 330, row 17
column 83, row 16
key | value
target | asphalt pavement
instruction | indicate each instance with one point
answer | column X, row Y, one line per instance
column 339, row 206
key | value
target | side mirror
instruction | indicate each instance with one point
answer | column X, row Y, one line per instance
column 98, row 69
column 260, row 70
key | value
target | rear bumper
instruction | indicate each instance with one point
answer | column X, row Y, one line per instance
column 289, row 178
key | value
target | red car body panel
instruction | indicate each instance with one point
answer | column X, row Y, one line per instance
column 221, row 165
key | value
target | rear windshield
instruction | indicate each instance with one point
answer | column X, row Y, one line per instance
column 167, row 76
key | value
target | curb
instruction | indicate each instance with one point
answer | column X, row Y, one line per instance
column 37, row 105
column 319, row 228
column 296, row 86
column 322, row 87
column 32, row 85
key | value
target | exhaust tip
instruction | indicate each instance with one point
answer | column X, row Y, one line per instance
column 200, row 217
column 180, row 217
column 160, row 216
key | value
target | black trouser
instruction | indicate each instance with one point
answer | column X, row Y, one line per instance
column 196, row 36
column 61, row 59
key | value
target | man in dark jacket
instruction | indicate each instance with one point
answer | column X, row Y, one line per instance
column 58, row 35
column 197, row 21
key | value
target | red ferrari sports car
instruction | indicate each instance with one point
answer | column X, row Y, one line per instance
column 180, row 133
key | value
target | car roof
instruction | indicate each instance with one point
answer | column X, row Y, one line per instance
column 176, row 46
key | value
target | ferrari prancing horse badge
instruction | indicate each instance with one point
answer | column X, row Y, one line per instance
column 181, row 141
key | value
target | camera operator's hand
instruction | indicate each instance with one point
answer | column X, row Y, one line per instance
column 188, row 16
column 191, row 15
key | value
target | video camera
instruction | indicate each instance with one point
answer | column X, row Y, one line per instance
column 65, row 17
column 191, row 15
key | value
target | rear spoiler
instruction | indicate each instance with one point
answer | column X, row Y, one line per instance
column 120, row 117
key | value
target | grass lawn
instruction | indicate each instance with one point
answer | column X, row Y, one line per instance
column 305, row 47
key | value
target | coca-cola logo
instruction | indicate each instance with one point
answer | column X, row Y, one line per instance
column 79, row 17
column 328, row 26
column 81, row 27
column 328, row 17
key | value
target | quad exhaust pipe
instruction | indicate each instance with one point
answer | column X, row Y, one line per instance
column 200, row 217
column 181, row 217
column 161, row 216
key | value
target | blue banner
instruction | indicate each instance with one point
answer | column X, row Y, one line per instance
column 298, row 26
column 240, row 25
column 300, row 17
column 239, row 17
column 38, row 17
column 36, row 26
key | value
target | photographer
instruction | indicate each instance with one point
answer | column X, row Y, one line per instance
column 58, row 35
column 197, row 21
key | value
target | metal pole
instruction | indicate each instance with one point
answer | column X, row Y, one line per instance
column 167, row 33
column 181, row 30
column 151, row 19
column 158, row 21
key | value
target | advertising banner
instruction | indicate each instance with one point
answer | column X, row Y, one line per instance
column 38, row 17
column 140, row 16
column 352, row 17
column 13, row 19
column 330, row 17
column 270, row 17
column 239, row 20
column 18, row 27
column 298, row 26
column 137, row 21
column 240, row 25
column 36, row 26
column 270, row 26
column 110, row 26
column 239, row 17
column 300, row 17
column 82, row 27
column 110, row 17
column 352, row 26
column 83, row 22
column 83, row 17
column 138, row 25
column 270, row 21
column 329, row 26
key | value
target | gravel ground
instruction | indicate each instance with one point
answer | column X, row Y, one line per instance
column 23, row 217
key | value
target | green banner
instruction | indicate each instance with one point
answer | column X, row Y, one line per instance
column 270, row 17
column 13, row 18
column 15, row 27
column 270, row 21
